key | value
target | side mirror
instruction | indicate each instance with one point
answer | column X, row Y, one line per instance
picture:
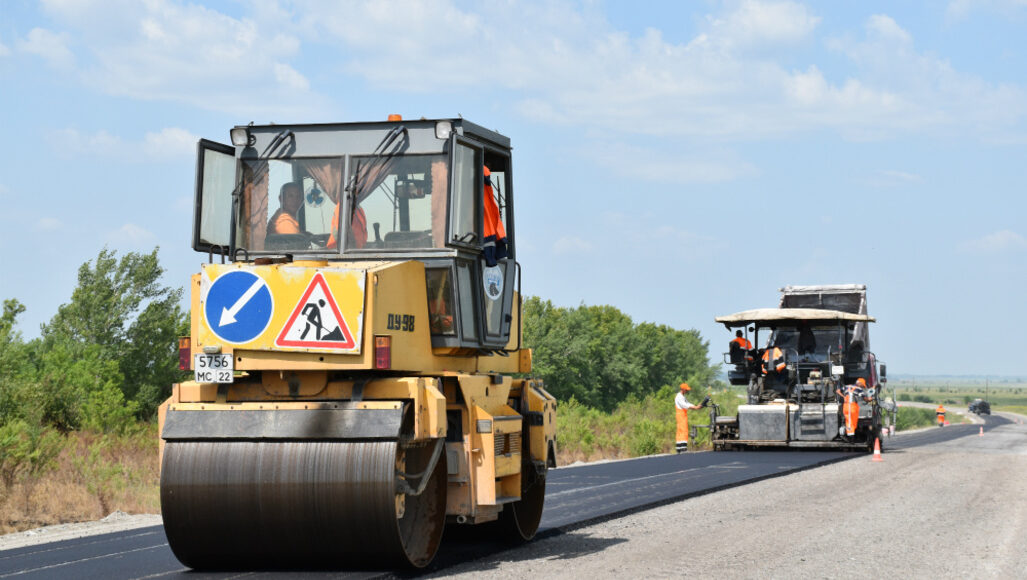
column 884, row 373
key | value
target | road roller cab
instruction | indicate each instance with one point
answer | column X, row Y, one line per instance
column 354, row 333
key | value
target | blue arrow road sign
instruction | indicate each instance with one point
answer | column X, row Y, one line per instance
column 239, row 306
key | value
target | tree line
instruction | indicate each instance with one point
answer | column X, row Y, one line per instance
column 108, row 357
column 599, row 357
column 105, row 360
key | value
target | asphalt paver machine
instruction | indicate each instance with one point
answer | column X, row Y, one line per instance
column 814, row 382
column 354, row 334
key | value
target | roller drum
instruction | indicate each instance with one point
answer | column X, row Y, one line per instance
column 245, row 504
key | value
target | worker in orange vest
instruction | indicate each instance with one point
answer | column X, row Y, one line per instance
column 850, row 403
column 741, row 341
column 682, row 407
column 775, row 357
column 495, row 234
column 940, row 412
column 357, row 232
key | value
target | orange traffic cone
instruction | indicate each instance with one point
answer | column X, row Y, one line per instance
column 981, row 434
column 877, row 450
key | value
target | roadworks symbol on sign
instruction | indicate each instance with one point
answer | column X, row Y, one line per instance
column 316, row 321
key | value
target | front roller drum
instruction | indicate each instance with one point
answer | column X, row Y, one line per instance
column 299, row 504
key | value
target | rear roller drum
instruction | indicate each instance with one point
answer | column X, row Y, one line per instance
column 246, row 504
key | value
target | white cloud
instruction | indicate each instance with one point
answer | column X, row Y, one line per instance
column 170, row 142
column 651, row 231
column 892, row 178
column 166, row 143
column 927, row 95
column 756, row 23
column 184, row 52
column 667, row 165
column 4, row 51
column 288, row 77
column 558, row 61
column 902, row 176
column 996, row 242
column 49, row 224
column 130, row 234
column 50, row 46
column 885, row 28
column 959, row 9
column 571, row 245
column 565, row 64
column 72, row 141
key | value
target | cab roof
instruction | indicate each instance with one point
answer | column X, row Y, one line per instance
column 808, row 315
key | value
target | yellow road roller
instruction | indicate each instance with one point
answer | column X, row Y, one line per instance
column 359, row 372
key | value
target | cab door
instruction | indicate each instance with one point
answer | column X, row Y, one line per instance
column 486, row 283
column 216, row 169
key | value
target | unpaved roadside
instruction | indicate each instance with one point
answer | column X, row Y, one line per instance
column 955, row 509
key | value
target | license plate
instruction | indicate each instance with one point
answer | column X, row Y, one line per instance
column 213, row 368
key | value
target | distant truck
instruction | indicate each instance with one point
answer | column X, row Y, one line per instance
column 800, row 356
column 980, row 406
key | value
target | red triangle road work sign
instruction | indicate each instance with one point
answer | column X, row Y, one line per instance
column 316, row 321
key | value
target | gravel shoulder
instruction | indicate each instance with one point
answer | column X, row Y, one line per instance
column 955, row 509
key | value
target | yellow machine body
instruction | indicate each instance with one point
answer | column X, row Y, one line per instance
column 499, row 432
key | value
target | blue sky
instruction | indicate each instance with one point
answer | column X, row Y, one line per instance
column 678, row 160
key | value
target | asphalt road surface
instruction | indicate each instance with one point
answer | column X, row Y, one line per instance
column 943, row 503
column 577, row 497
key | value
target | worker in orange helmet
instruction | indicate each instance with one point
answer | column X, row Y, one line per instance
column 683, row 406
column 850, row 403
column 940, row 412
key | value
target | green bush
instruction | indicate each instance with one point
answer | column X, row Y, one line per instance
column 598, row 355
column 914, row 418
column 106, row 411
column 102, row 476
column 26, row 452
column 637, row 426
column 647, row 438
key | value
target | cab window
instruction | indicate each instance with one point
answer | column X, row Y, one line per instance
column 466, row 177
column 288, row 205
column 402, row 201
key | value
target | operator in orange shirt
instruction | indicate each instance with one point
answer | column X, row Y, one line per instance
column 285, row 220
column 940, row 412
column 741, row 341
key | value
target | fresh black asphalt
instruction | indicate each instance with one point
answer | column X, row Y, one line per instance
column 575, row 497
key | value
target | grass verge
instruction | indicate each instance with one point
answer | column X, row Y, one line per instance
column 91, row 476
column 635, row 428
